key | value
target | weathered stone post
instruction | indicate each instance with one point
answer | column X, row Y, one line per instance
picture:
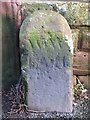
column 46, row 58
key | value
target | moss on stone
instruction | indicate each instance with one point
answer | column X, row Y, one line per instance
column 53, row 44
column 34, row 38
column 76, row 13
column 30, row 8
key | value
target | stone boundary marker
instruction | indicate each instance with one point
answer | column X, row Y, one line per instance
column 46, row 61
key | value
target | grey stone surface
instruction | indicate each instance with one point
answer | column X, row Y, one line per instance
column 46, row 58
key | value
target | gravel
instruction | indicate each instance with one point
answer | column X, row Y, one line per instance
column 81, row 110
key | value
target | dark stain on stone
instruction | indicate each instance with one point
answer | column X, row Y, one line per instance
column 69, row 50
column 64, row 61
column 38, row 73
column 38, row 8
column 42, row 26
column 84, row 55
column 50, row 77
column 52, row 60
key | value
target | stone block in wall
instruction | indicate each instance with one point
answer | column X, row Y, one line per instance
column 30, row 8
column 85, row 80
column 81, row 63
column 76, row 13
column 75, row 38
column 84, row 40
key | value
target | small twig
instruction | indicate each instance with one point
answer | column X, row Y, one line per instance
column 12, row 89
column 80, row 83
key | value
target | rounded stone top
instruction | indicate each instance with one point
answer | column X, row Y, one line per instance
column 45, row 21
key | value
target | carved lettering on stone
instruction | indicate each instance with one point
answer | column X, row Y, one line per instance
column 46, row 58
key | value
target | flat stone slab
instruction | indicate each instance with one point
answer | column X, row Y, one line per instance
column 46, row 58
